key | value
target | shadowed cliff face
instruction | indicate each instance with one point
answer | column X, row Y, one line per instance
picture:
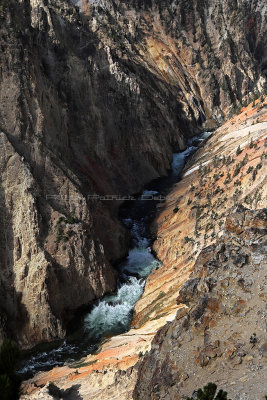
column 95, row 100
column 194, row 320
column 77, row 126
column 212, row 53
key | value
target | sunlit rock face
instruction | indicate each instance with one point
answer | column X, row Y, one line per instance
column 198, row 309
column 220, row 336
column 214, row 53
column 209, row 233
column 94, row 98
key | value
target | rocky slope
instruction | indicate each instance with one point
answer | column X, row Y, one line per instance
column 94, row 98
column 119, row 365
column 201, row 217
column 221, row 336
column 229, row 169
column 212, row 53
column 75, row 120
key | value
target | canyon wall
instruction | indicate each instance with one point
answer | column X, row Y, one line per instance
column 79, row 124
column 221, row 336
column 212, row 242
column 200, row 308
column 95, row 100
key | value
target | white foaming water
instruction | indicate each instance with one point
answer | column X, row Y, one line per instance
column 140, row 262
column 113, row 313
column 204, row 135
column 138, row 233
column 148, row 193
column 180, row 158
column 49, row 359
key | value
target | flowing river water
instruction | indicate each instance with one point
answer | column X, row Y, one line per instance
column 113, row 313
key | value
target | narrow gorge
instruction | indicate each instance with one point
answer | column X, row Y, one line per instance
column 113, row 313
column 95, row 98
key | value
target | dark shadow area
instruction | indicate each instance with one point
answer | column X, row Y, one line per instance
column 7, row 295
column 68, row 394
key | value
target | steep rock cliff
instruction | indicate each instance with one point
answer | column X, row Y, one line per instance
column 212, row 53
column 94, row 100
column 221, row 335
column 79, row 127
column 230, row 168
column 226, row 174
column 36, row 268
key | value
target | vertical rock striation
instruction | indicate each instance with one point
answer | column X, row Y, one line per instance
column 194, row 320
column 95, row 100
column 42, row 279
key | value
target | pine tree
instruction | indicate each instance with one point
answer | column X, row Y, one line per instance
column 209, row 392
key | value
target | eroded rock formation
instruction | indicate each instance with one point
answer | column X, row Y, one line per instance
column 94, row 98
column 50, row 264
column 228, row 173
column 81, row 123
column 221, row 337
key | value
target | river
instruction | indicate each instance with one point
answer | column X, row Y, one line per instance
column 113, row 313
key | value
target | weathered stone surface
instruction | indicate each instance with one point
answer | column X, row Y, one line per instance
column 216, row 260
column 95, row 100
column 93, row 97
column 205, row 198
column 215, row 343
column 43, row 279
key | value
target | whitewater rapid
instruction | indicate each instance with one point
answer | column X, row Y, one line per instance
column 113, row 313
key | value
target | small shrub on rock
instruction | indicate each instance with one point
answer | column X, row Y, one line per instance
column 238, row 151
column 253, row 339
column 209, row 393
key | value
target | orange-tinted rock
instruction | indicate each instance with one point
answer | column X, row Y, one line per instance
column 212, row 258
